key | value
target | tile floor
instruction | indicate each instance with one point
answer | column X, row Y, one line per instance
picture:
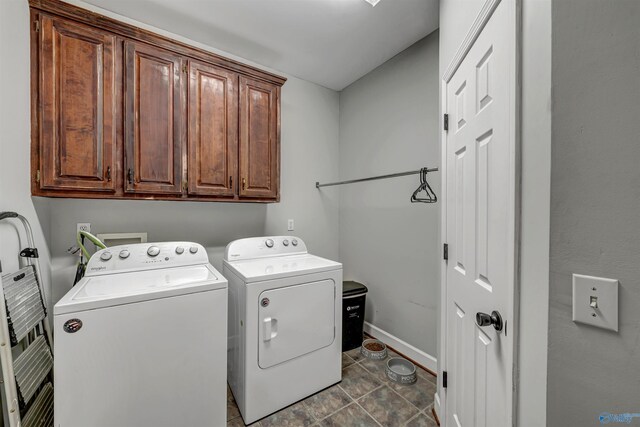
column 364, row 398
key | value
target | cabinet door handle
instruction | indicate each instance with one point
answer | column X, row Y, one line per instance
column 109, row 173
column 244, row 183
column 130, row 176
column 231, row 182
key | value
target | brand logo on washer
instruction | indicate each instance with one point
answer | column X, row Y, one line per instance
column 352, row 307
column 72, row 325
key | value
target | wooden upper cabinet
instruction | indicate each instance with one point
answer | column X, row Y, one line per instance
column 154, row 119
column 213, row 130
column 123, row 113
column 78, row 94
column 259, row 157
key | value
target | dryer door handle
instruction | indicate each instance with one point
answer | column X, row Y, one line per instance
column 269, row 328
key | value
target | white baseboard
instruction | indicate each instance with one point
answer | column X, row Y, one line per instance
column 405, row 348
column 436, row 406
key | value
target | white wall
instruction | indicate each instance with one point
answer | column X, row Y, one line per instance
column 389, row 123
column 15, row 139
column 309, row 153
column 456, row 17
column 595, row 205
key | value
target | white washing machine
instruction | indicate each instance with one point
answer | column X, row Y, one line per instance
column 285, row 323
column 140, row 341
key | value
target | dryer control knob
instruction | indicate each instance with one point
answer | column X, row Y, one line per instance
column 269, row 243
column 153, row 251
column 193, row 249
column 179, row 250
column 294, row 242
column 285, row 242
column 124, row 254
column 105, row 256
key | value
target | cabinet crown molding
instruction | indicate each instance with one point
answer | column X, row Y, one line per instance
column 88, row 17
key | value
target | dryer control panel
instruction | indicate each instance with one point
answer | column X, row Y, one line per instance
column 261, row 247
column 146, row 256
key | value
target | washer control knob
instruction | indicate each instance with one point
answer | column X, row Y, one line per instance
column 105, row 256
column 153, row 251
column 294, row 242
column 285, row 242
column 124, row 254
column 193, row 249
column 269, row 243
column 179, row 250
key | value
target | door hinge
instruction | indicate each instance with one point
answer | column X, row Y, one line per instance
column 37, row 26
column 445, row 252
column 38, row 175
column 444, row 379
column 184, row 68
column 446, row 122
column 185, row 185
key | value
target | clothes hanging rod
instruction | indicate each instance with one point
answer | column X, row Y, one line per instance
column 371, row 178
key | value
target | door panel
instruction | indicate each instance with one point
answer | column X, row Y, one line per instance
column 480, row 273
column 78, row 95
column 295, row 321
column 154, row 118
column 259, row 152
column 213, row 130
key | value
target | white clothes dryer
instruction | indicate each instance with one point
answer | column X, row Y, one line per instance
column 285, row 323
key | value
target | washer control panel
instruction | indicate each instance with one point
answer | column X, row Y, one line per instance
column 259, row 247
column 146, row 256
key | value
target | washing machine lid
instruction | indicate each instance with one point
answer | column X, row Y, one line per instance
column 129, row 287
column 269, row 268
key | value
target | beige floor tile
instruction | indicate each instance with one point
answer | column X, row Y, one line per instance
column 387, row 407
column 357, row 381
column 296, row 415
column 422, row 420
column 419, row 393
column 351, row 416
column 346, row 360
column 327, row 402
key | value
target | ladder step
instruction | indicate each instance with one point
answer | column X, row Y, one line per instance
column 40, row 414
column 31, row 368
column 25, row 308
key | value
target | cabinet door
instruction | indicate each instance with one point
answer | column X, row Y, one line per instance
column 259, row 139
column 78, row 100
column 213, row 130
column 154, row 120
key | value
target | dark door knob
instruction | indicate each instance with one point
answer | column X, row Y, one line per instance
column 484, row 319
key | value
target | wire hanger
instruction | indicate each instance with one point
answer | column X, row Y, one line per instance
column 424, row 186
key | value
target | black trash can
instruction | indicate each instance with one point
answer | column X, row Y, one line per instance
column 354, row 297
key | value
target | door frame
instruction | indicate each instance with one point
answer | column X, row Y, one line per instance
column 485, row 13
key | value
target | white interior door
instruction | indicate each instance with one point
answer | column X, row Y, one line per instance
column 480, row 228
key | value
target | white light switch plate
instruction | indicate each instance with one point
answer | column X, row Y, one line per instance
column 604, row 292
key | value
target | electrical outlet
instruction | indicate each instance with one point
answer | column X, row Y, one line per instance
column 83, row 226
column 290, row 225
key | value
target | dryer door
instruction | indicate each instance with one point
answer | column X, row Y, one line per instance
column 294, row 321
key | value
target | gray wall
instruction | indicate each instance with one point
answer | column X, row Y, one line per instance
column 309, row 153
column 14, row 138
column 389, row 123
column 595, row 205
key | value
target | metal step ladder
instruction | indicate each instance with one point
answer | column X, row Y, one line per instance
column 25, row 341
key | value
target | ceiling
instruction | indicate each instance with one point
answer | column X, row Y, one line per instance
column 329, row 42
